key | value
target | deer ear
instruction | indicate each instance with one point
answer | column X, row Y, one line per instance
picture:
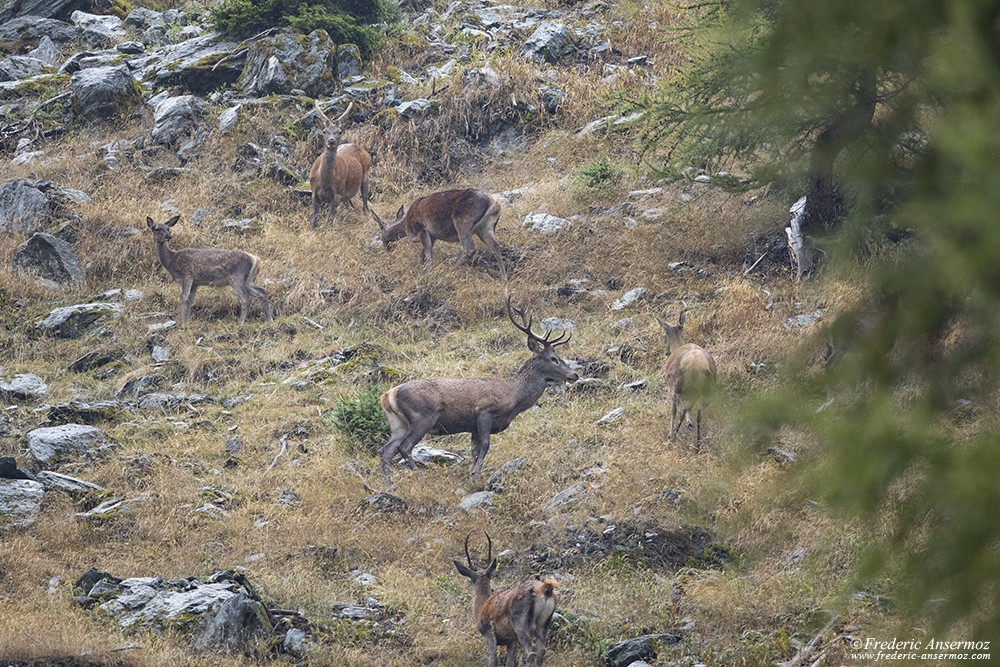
column 149, row 222
column 378, row 220
column 399, row 213
column 492, row 568
column 172, row 221
column 535, row 345
column 680, row 320
column 464, row 571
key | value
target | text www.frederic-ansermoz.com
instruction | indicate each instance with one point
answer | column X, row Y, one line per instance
column 870, row 650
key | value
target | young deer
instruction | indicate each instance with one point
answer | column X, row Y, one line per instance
column 340, row 170
column 192, row 268
column 520, row 614
column 452, row 216
column 690, row 375
column 480, row 406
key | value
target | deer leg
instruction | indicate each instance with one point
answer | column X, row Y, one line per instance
column 244, row 297
column 187, row 295
column 494, row 246
column 333, row 209
column 468, row 249
column 480, row 441
column 316, row 206
column 540, row 643
column 697, row 437
column 365, row 196
column 673, row 416
column 491, row 646
column 524, row 637
column 262, row 295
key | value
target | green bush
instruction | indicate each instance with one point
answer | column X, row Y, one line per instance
column 346, row 21
column 599, row 173
column 361, row 421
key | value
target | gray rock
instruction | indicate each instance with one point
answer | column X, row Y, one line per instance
column 72, row 485
column 9, row 469
column 131, row 48
column 552, row 98
column 20, row 502
column 235, row 625
column 22, row 67
column 425, row 455
column 136, row 386
column 51, row 260
column 496, row 480
column 22, row 387
column 228, row 119
column 110, row 508
column 614, row 415
column 804, row 320
column 481, row 500
column 54, row 444
column 176, row 116
column 30, row 27
column 167, row 608
column 79, row 412
column 565, row 498
column 385, row 503
column 296, row 644
column 289, row 61
column 23, row 207
column 348, row 59
column 141, row 19
column 46, row 51
column 191, row 64
column 160, row 354
column 624, row 653
column 629, row 298
column 72, row 321
column 98, row 31
column 550, row 42
column 159, row 401
column 557, row 324
column 413, row 108
column 544, row 223
column 103, row 93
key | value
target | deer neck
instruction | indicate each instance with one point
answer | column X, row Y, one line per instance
column 528, row 383
column 393, row 232
column 329, row 164
column 166, row 255
column 482, row 590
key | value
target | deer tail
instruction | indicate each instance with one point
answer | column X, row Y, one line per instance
column 549, row 587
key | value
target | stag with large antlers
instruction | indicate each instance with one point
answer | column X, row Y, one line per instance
column 340, row 171
column 520, row 614
column 452, row 216
column 480, row 406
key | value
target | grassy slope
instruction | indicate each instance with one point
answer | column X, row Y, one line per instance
column 733, row 488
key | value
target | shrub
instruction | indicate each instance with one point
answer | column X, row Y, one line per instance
column 346, row 21
column 600, row 172
column 361, row 421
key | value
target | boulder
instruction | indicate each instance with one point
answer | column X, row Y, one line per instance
column 496, row 480
column 9, row 469
column 20, row 502
column 73, row 321
column 624, row 653
column 21, row 67
column 287, row 61
column 78, row 412
column 152, row 603
column 141, row 19
column 544, row 223
column 55, row 9
column 22, row 387
column 50, row 260
column 31, row 28
column 98, row 31
column 480, row 500
column 425, row 455
column 175, row 116
column 104, row 93
column 23, row 207
column 46, row 51
column 348, row 61
column 550, row 42
column 191, row 64
column 53, row 444
column 71, row 485
column 237, row 623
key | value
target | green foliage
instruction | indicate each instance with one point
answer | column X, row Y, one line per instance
column 600, row 172
column 361, row 421
column 346, row 21
column 898, row 100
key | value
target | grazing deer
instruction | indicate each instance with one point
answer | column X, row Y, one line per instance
column 194, row 267
column 480, row 406
column 340, row 170
column 452, row 215
column 520, row 614
column 690, row 375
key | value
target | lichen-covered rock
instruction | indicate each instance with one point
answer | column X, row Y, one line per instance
column 104, row 93
column 348, row 61
column 72, row 321
column 288, row 61
column 20, row 502
column 550, row 42
column 23, row 207
column 54, row 444
column 236, row 623
column 176, row 116
column 79, row 412
column 98, row 31
column 21, row 67
column 145, row 605
column 71, row 485
column 624, row 653
column 191, row 64
column 30, row 27
column 50, row 260
column 22, row 387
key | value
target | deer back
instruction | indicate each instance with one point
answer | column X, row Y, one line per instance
column 447, row 215
column 214, row 266
column 454, row 402
column 690, row 371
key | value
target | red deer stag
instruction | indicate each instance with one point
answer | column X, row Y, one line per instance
column 194, row 267
column 690, row 375
column 339, row 172
column 520, row 614
column 451, row 216
column 480, row 406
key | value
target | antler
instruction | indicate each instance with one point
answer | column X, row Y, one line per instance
column 340, row 118
column 468, row 558
column 489, row 550
column 525, row 326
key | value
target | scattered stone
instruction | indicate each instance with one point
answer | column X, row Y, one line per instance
column 557, row 324
column 624, row 653
column 550, row 42
column 228, row 119
column 23, row 207
column 565, row 498
column 79, row 412
column 614, row 415
column 176, row 116
column 73, row 321
column 805, row 319
column 289, row 61
column 160, row 354
column 425, row 455
column 50, row 260
column 348, row 61
column 544, row 223
column 111, row 508
column 71, row 485
column 496, row 480
column 20, row 502
column 237, row 622
column 384, row 503
column 98, row 31
column 54, row 444
column 633, row 386
column 22, row 387
column 481, row 500
column 101, row 94
column 413, row 108
column 629, row 298
column 782, row 454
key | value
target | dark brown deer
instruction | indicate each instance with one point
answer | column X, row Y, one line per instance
column 690, row 376
column 194, row 267
column 451, row 216
column 339, row 172
column 480, row 406
column 517, row 615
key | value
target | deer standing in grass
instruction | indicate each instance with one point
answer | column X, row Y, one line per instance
column 339, row 172
column 519, row 614
column 194, row 267
column 452, row 216
column 690, row 375
column 480, row 406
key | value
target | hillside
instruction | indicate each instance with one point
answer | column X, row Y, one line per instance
column 223, row 440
